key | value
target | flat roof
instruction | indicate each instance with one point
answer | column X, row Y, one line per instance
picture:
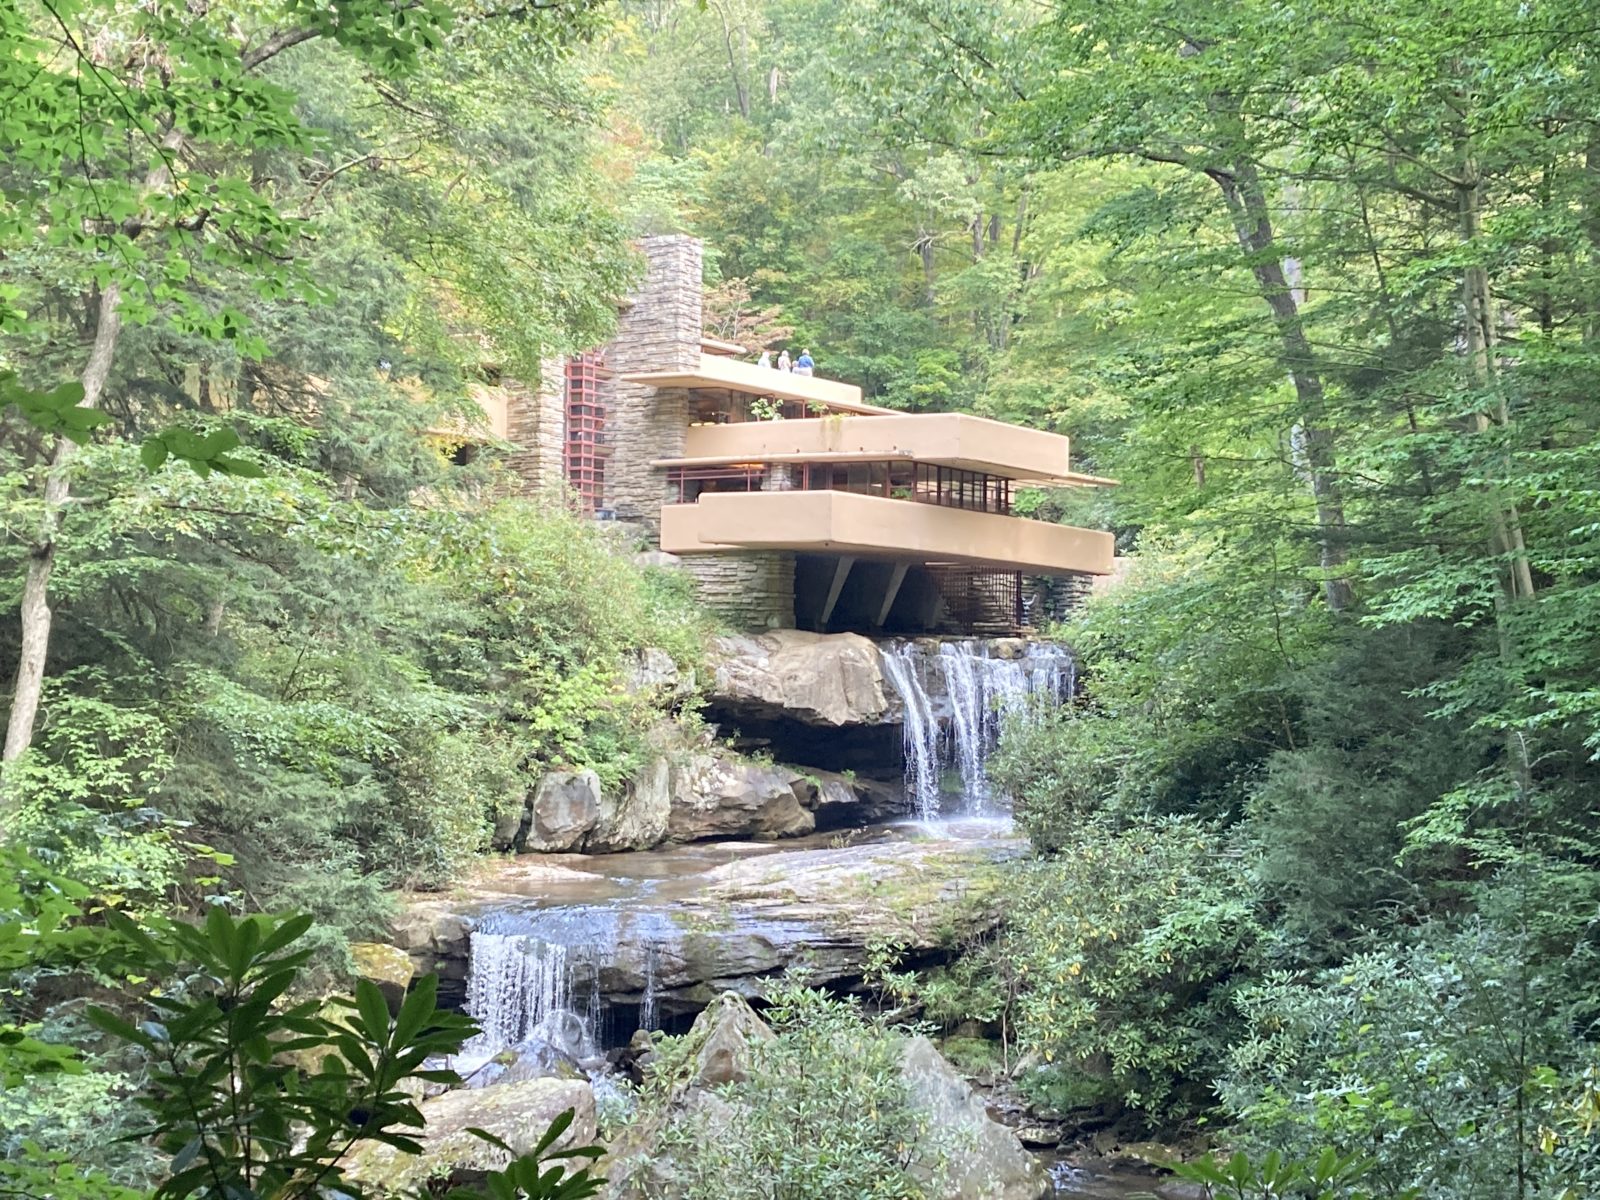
column 716, row 372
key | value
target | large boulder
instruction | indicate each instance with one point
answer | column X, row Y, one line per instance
column 718, row 795
column 564, row 807
column 570, row 811
column 725, row 1032
column 517, row 1113
column 959, row 1150
column 389, row 967
column 975, row 1157
column 637, row 818
column 817, row 679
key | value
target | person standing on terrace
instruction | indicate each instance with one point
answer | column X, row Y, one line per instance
column 765, row 360
column 803, row 364
column 783, row 360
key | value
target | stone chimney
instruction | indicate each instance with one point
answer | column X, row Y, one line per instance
column 658, row 330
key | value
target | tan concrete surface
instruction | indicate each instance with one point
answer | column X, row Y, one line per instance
column 717, row 371
column 875, row 527
column 946, row 439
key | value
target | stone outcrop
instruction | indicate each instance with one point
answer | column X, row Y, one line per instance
column 985, row 1161
column 718, row 796
column 389, row 967
column 570, row 811
column 746, row 922
column 816, row 679
column 517, row 1113
column 690, row 795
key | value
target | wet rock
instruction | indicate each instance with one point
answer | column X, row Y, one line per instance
column 1181, row 1189
column 389, row 967
column 817, row 679
column 517, row 1113
column 746, row 921
column 716, row 795
column 987, row 1162
column 847, row 801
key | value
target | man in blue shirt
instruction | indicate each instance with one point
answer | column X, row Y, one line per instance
column 803, row 364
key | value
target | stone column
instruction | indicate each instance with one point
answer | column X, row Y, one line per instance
column 659, row 330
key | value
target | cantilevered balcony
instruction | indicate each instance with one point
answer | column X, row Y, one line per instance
column 946, row 439
column 872, row 527
column 717, row 372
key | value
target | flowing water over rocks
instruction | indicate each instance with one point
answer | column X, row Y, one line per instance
column 956, row 698
column 558, row 954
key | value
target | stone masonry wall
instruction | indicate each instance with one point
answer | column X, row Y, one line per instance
column 751, row 591
column 536, row 420
column 660, row 330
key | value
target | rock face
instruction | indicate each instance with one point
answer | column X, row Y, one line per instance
column 568, row 811
column 692, row 795
column 983, row 1160
column 517, row 1113
column 563, row 809
column 817, row 679
column 715, row 795
column 743, row 923
column 960, row 1148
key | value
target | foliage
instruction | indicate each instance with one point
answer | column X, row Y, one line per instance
column 1124, row 950
column 1433, row 1059
column 253, row 1090
column 824, row 1112
column 1328, row 1176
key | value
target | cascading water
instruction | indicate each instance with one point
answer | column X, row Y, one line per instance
column 527, row 967
column 956, row 699
column 534, row 970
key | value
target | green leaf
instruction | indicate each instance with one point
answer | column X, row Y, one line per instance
column 153, row 453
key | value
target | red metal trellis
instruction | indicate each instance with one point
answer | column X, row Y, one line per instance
column 586, row 444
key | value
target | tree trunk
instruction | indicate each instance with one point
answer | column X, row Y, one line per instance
column 1252, row 222
column 1505, row 524
column 35, row 607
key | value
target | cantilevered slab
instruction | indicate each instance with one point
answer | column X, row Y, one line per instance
column 716, row 371
column 942, row 439
column 846, row 523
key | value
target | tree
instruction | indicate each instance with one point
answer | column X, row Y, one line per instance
column 144, row 120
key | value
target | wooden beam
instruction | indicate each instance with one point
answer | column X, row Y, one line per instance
column 841, row 572
column 893, row 590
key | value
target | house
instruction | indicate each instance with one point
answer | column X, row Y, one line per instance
column 793, row 503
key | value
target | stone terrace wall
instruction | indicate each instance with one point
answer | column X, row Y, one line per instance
column 659, row 331
column 751, row 591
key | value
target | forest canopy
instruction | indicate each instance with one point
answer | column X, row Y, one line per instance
column 1316, row 850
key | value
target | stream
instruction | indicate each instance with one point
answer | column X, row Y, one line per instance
column 579, row 951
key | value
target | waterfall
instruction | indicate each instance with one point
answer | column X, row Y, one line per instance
column 527, row 967
column 957, row 697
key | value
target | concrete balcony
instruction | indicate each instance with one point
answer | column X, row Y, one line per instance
column 945, row 439
column 718, row 372
column 872, row 527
